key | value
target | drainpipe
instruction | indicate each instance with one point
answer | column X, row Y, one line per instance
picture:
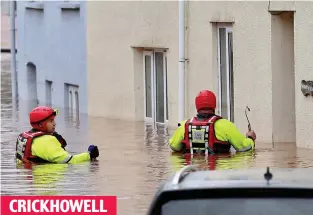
column 13, row 52
column 181, row 39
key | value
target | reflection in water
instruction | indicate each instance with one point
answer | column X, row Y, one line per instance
column 134, row 157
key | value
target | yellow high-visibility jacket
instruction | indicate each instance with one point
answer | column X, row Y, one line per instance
column 49, row 148
column 225, row 130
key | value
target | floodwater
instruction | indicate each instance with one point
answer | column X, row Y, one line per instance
column 132, row 162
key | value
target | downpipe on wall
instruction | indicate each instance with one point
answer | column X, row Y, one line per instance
column 181, row 79
column 13, row 53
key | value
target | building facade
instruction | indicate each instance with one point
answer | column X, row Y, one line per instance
column 5, row 26
column 253, row 54
column 51, row 53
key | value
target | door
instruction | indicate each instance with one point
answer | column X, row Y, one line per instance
column 155, row 82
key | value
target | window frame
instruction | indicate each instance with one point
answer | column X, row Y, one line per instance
column 152, row 53
column 230, row 107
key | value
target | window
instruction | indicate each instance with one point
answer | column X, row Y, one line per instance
column 32, row 82
column 72, row 99
column 225, row 68
column 242, row 206
column 155, row 78
column 48, row 93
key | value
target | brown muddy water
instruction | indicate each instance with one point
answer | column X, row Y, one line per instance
column 132, row 162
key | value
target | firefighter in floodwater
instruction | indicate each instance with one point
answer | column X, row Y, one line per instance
column 209, row 132
column 42, row 144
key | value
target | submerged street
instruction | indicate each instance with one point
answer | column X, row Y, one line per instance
column 134, row 157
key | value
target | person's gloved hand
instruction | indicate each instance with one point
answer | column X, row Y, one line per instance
column 251, row 134
column 93, row 151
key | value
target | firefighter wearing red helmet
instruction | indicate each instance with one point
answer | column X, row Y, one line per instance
column 209, row 132
column 42, row 144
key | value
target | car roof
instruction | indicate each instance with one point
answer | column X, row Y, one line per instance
column 192, row 177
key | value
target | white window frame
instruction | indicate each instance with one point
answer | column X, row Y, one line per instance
column 48, row 92
column 229, row 29
column 73, row 105
column 149, row 53
column 152, row 120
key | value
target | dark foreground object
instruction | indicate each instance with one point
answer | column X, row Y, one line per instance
column 244, row 192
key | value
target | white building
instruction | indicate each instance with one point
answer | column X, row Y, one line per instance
column 249, row 53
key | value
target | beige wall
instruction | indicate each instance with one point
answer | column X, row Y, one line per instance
column 252, row 66
column 5, row 25
column 304, row 71
column 115, row 70
column 5, row 31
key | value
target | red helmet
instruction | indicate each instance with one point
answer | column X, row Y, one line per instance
column 205, row 99
column 40, row 114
